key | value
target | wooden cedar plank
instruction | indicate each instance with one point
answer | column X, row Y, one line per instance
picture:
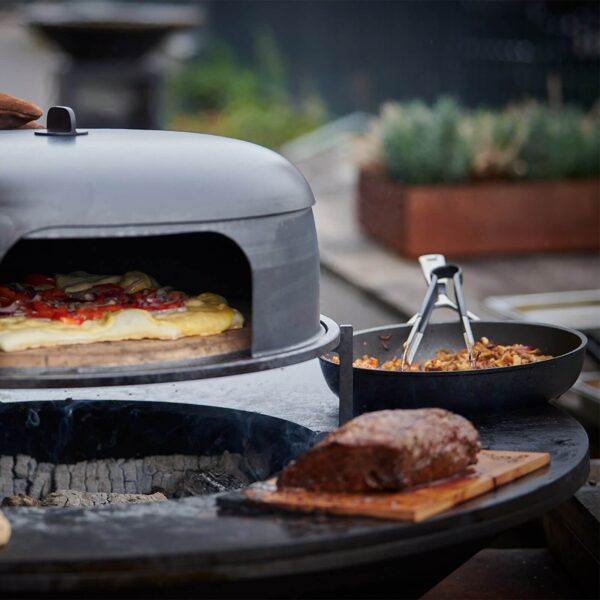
column 128, row 352
column 493, row 469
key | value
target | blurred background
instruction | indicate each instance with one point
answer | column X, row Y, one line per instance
column 222, row 63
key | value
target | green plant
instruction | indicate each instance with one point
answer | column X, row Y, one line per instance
column 211, row 83
column 218, row 95
column 497, row 139
column 269, row 124
column 560, row 143
column 422, row 145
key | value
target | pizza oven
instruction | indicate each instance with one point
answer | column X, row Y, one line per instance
column 197, row 212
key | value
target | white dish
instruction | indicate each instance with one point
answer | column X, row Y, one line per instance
column 579, row 309
column 585, row 385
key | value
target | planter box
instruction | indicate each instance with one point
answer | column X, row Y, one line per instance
column 481, row 218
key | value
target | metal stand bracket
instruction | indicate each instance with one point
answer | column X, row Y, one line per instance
column 346, row 387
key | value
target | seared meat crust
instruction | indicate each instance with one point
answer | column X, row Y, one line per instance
column 386, row 450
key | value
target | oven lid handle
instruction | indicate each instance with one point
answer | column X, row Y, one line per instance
column 61, row 121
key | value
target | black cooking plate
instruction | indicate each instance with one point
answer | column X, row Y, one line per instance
column 466, row 392
column 184, row 548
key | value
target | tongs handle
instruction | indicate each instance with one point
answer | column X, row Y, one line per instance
column 420, row 320
column 463, row 313
column 445, row 271
column 429, row 262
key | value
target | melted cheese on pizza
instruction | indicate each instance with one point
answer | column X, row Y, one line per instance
column 206, row 314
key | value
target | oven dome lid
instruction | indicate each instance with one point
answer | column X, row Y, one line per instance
column 115, row 177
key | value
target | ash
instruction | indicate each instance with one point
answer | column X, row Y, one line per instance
column 26, row 482
column 63, row 498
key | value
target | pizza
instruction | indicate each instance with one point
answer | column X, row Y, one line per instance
column 81, row 308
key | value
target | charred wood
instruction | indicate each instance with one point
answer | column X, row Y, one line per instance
column 105, row 480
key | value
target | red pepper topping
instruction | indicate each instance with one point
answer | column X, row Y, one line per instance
column 52, row 294
column 95, row 303
column 8, row 296
column 45, row 310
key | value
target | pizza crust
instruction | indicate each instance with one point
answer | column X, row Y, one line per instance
column 207, row 314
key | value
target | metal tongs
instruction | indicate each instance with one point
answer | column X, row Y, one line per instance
column 437, row 273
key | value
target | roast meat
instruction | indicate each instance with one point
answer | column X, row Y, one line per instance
column 386, row 450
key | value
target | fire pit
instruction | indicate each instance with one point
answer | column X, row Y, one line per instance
column 189, row 548
column 80, row 452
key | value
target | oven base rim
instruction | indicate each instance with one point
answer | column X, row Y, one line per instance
column 206, row 368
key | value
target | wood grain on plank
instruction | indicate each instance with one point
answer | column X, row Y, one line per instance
column 493, row 469
column 128, row 352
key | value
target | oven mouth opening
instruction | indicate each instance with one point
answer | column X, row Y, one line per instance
column 192, row 263
column 90, row 453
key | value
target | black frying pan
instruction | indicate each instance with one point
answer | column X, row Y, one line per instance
column 466, row 392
